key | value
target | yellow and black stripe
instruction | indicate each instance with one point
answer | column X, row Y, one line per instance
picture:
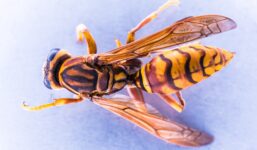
column 81, row 78
column 180, row 68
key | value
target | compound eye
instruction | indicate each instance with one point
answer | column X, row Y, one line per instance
column 47, row 84
column 52, row 54
column 52, row 66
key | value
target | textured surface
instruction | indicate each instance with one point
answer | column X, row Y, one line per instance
column 224, row 105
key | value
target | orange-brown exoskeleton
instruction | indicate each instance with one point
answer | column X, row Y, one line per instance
column 95, row 75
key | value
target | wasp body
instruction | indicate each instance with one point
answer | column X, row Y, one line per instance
column 95, row 75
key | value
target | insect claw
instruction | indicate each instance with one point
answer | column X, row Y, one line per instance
column 80, row 29
column 24, row 105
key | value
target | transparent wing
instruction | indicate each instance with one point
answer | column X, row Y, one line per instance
column 154, row 123
column 185, row 30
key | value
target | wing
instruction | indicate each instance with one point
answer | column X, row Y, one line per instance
column 185, row 30
column 154, row 123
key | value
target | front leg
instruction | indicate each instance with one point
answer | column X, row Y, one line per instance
column 56, row 102
column 83, row 33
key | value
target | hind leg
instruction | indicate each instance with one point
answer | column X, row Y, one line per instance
column 149, row 18
column 178, row 106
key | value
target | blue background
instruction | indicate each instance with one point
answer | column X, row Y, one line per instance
column 224, row 105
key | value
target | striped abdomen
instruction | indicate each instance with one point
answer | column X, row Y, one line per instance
column 80, row 78
column 180, row 68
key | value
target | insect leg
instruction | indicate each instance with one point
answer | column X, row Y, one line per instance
column 134, row 92
column 118, row 43
column 84, row 34
column 181, row 99
column 138, row 98
column 56, row 102
column 172, row 102
column 149, row 18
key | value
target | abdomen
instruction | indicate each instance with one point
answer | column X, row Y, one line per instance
column 180, row 68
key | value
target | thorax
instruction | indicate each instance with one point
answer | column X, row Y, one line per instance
column 80, row 78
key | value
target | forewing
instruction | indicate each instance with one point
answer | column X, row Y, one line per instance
column 154, row 123
column 185, row 30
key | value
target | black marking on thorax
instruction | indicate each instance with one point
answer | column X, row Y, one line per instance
column 80, row 79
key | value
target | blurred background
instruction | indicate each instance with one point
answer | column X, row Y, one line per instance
column 223, row 105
